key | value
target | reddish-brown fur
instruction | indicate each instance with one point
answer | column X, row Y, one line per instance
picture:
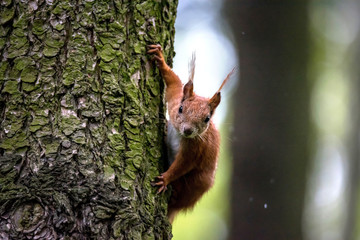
column 193, row 171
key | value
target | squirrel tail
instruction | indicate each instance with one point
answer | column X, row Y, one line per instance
column 171, row 214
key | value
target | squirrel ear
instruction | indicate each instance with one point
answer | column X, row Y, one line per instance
column 214, row 101
column 188, row 90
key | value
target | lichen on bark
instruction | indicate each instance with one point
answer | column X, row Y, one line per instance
column 82, row 119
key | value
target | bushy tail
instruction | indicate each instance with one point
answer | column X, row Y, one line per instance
column 171, row 214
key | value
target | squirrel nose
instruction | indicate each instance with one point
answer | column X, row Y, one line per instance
column 188, row 131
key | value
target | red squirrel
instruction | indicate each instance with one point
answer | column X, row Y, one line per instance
column 192, row 172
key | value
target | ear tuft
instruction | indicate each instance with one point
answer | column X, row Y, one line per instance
column 192, row 67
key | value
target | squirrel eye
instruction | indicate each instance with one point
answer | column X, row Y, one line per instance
column 180, row 109
column 207, row 119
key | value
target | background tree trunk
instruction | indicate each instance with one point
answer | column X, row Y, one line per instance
column 271, row 118
column 82, row 119
column 352, row 224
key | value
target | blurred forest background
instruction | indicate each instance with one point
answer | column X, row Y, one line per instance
column 289, row 164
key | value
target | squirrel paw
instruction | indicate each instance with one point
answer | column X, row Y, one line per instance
column 161, row 183
column 158, row 55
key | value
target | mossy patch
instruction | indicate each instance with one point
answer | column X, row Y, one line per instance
column 126, row 182
column 11, row 86
column 39, row 121
column 28, row 87
column 3, row 67
column 109, row 173
column 22, row 62
column 107, row 53
column 52, row 147
column 6, row 15
column 50, row 51
column 16, row 51
column 70, row 76
column 29, row 74
column 17, row 141
column 69, row 124
column 116, row 142
column 39, row 27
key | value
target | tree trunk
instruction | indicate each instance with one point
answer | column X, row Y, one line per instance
column 352, row 224
column 271, row 119
column 82, row 119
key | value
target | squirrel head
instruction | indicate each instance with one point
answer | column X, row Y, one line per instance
column 193, row 115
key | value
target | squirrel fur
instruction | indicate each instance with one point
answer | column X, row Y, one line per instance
column 192, row 172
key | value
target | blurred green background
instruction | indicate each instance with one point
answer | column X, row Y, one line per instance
column 332, row 186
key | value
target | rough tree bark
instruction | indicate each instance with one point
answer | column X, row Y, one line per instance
column 82, row 119
column 271, row 118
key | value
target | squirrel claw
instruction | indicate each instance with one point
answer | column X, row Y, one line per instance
column 155, row 47
column 163, row 188
column 153, row 50
column 160, row 177
column 161, row 183
column 158, row 57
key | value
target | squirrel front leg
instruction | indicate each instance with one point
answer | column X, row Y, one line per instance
column 173, row 82
column 178, row 168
